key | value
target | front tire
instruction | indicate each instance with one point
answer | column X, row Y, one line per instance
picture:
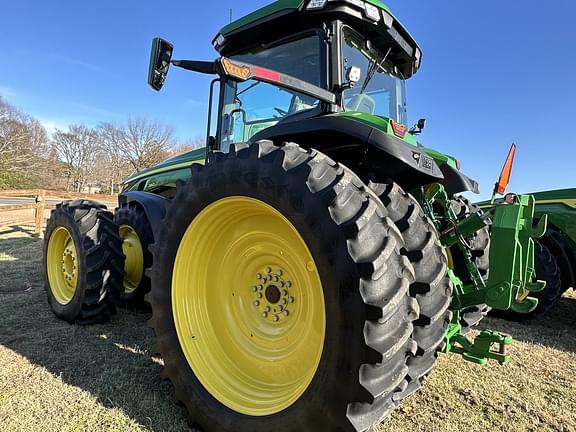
column 82, row 263
column 292, row 215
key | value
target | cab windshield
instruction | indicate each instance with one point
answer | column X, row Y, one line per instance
column 253, row 106
column 383, row 93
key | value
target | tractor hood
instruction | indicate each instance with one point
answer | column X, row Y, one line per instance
column 181, row 161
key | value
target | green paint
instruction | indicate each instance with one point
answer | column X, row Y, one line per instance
column 441, row 158
column 560, row 206
column 280, row 6
column 177, row 162
column 511, row 270
column 378, row 122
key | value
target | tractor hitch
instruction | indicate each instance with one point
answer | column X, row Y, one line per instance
column 481, row 349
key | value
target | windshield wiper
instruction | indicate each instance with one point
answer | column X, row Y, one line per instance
column 374, row 66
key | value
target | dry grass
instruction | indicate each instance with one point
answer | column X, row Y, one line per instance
column 58, row 377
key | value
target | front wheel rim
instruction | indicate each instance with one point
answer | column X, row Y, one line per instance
column 62, row 265
column 134, row 258
column 248, row 306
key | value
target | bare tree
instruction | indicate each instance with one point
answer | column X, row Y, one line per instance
column 79, row 148
column 144, row 142
column 113, row 165
column 189, row 145
column 23, row 145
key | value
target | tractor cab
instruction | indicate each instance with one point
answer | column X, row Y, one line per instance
column 354, row 49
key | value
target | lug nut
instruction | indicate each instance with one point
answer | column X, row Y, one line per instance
column 275, row 318
column 265, row 314
column 288, row 284
column 283, row 301
column 256, row 303
column 269, row 269
column 280, row 273
column 259, row 295
column 284, row 292
column 276, row 278
column 267, row 308
column 259, row 276
column 254, row 288
column 290, row 299
column 286, row 312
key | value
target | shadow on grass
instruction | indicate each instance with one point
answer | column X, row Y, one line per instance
column 113, row 362
column 556, row 329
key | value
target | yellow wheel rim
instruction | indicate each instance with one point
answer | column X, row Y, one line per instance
column 450, row 258
column 62, row 265
column 248, row 306
column 134, row 262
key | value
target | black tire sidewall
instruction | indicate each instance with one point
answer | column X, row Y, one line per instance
column 344, row 345
column 70, row 311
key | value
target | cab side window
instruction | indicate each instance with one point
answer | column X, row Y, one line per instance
column 164, row 184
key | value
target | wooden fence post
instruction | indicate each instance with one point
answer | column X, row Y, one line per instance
column 39, row 213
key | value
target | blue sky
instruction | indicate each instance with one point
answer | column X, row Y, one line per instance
column 493, row 72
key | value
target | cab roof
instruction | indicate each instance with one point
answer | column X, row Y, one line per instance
column 283, row 18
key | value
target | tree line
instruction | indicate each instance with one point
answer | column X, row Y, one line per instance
column 81, row 158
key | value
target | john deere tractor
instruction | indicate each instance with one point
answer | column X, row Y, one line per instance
column 305, row 269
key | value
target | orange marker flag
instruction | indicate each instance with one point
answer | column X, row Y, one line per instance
column 506, row 172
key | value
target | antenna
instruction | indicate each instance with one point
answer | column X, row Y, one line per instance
column 230, row 15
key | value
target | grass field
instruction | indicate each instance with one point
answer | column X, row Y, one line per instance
column 56, row 377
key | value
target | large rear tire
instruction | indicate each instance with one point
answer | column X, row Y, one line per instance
column 432, row 287
column 82, row 263
column 266, row 216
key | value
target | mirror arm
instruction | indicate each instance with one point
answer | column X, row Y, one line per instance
column 205, row 67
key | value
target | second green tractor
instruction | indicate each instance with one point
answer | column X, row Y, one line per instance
column 307, row 267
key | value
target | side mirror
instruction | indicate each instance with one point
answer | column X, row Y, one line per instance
column 417, row 130
column 353, row 75
column 160, row 58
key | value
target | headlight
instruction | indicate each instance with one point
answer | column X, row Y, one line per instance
column 316, row 4
column 372, row 12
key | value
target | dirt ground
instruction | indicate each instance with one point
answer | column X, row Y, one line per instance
column 57, row 377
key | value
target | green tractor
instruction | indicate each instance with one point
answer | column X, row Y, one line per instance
column 307, row 267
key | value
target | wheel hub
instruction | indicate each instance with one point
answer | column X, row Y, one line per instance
column 69, row 264
column 272, row 295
